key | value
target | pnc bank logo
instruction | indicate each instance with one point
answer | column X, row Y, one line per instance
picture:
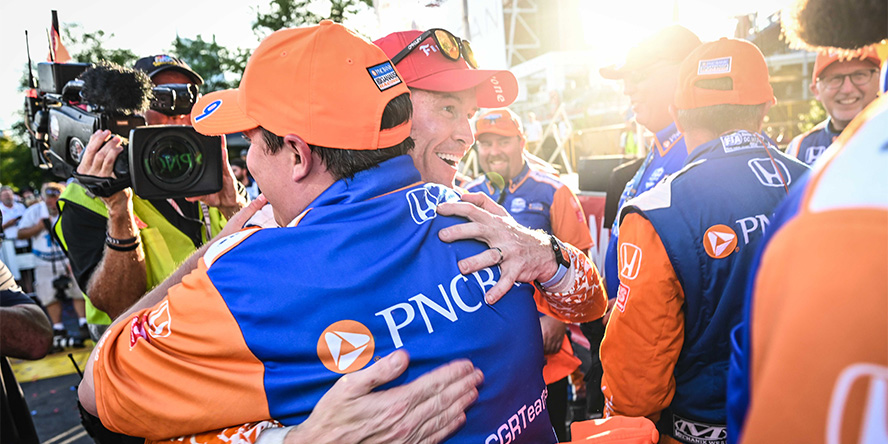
column 345, row 346
column 719, row 241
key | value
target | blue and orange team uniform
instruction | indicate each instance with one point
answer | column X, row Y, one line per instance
column 684, row 253
column 809, row 146
column 273, row 317
column 538, row 200
column 805, row 366
column 666, row 156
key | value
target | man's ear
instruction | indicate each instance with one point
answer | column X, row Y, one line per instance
column 302, row 161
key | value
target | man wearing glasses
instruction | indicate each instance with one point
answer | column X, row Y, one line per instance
column 50, row 265
column 844, row 88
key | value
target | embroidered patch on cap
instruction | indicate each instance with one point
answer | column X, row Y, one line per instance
column 714, row 66
column 384, row 75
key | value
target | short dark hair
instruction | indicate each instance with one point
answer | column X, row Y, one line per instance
column 238, row 162
column 343, row 163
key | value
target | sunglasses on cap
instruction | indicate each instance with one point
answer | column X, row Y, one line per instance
column 451, row 46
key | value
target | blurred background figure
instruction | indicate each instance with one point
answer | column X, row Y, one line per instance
column 242, row 175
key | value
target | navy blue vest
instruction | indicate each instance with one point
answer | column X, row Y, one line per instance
column 711, row 215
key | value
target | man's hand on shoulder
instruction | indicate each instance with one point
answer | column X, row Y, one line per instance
column 524, row 255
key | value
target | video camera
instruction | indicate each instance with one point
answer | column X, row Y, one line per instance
column 74, row 100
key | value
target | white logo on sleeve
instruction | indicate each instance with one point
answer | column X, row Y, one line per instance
column 630, row 260
column 423, row 204
column 160, row 322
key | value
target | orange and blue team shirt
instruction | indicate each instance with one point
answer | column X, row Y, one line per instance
column 273, row 317
column 806, row 366
column 667, row 155
column 809, row 146
column 538, row 200
column 684, row 251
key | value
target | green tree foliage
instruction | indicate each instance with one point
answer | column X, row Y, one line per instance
column 220, row 67
column 815, row 115
column 16, row 167
column 90, row 47
column 291, row 13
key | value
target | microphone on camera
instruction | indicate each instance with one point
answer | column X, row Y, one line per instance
column 116, row 89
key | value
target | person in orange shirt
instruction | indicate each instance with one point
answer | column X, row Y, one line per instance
column 537, row 200
column 685, row 248
column 810, row 361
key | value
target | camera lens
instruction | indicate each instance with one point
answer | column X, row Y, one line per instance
column 173, row 160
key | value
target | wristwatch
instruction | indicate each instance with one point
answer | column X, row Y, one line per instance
column 560, row 259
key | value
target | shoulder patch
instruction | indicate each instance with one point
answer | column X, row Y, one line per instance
column 225, row 244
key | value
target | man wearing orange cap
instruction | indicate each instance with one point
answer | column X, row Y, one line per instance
column 272, row 318
column 687, row 245
column 537, row 200
column 844, row 87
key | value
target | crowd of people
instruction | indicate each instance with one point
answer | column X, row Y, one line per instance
column 365, row 296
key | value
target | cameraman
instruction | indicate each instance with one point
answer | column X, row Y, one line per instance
column 52, row 276
column 122, row 246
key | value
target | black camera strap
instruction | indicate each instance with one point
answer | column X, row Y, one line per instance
column 102, row 186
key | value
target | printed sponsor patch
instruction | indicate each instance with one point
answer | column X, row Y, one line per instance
column 384, row 75
column 345, row 346
column 159, row 321
column 770, row 172
column 518, row 205
column 630, row 260
column 164, row 59
column 138, row 331
column 740, row 140
column 622, row 297
column 813, row 153
column 698, row 432
column 714, row 66
column 719, row 241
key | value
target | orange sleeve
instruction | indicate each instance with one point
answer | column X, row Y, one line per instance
column 568, row 220
column 646, row 330
column 582, row 298
column 178, row 368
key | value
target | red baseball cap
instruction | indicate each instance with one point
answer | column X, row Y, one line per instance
column 323, row 83
column 502, row 122
column 427, row 69
column 824, row 59
column 738, row 60
column 671, row 44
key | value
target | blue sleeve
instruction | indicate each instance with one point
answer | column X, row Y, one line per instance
column 739, row 364
column 611, row 275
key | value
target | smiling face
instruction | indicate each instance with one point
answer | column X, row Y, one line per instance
column 501, row 154
column 845, row 102
column 441, row 132
column 651, row 92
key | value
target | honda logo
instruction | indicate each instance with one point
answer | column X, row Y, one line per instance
column 770, row 172
column 630, row 260
column 159, row 321
column 423, row 204
column 813, row 153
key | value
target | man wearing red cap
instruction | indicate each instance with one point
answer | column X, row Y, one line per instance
column 358, row 271
column 844, row 86
column 537, row 200
column 447, row 88
column 687, row 245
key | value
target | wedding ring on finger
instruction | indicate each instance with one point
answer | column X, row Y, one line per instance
column 500, row 255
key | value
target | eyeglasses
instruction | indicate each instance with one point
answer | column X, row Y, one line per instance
column 52, row 193
column 450, row 45
column 858, row 78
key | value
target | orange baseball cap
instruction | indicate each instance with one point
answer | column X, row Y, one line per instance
column 738, row 60
column 323, row 83
column 500, row 121
column 824, row 59
column 428, row 69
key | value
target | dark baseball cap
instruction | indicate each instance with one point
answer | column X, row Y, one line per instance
column 164, row 62
column 671, row 44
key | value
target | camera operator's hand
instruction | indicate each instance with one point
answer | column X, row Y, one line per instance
column 98, row 160
column 228, row 200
